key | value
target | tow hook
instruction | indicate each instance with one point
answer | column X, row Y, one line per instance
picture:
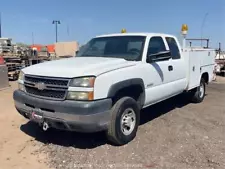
column 45, row 126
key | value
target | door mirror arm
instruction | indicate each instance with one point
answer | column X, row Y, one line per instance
column 164, row 55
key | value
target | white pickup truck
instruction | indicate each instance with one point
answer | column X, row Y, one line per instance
column 110, row 80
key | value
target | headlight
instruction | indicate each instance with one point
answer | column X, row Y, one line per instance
column 21, row 87
column 80, row 95
column 83, row 82
column 21, row 76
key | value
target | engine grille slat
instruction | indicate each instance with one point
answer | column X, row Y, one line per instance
column 45, row 93
column 48, row 81
column 54, row 88
column 47, row 87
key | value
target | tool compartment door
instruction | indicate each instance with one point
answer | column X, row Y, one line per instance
column 194, row 69
column 200, row 61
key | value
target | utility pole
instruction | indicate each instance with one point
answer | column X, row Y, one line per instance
column 56, row 22
column 68, row 30
column 219, row 49
column 32, row 38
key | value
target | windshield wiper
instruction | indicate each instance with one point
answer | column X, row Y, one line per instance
column 130, row 59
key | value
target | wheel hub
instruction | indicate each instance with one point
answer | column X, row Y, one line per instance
column 128, row 121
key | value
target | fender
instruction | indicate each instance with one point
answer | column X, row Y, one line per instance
column 126, row 83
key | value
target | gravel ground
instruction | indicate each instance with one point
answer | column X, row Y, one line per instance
column 174, row 134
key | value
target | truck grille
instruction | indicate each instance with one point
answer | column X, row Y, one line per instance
column 46, row 87
column 47, row 81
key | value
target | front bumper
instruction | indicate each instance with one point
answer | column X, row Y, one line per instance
column 82, row 116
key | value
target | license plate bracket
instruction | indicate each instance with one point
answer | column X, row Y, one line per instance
column 36, row 115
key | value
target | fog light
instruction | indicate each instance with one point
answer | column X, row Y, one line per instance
column 80, row 95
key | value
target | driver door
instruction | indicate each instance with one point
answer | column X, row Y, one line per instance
column 157, row 73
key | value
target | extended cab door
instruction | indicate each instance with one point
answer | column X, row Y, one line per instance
column 157, row 74
column 177, row 72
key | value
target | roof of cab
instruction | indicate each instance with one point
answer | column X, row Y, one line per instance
column 136, row 34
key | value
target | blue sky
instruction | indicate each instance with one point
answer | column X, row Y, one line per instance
column 83, row 19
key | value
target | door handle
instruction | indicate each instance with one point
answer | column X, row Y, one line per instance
column 170, row 68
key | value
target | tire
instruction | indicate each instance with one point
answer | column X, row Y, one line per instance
column 117, row 134
column 198, row 94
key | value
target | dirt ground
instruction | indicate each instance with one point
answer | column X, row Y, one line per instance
column 16, row 148
column 174, row 134
column 220, row 79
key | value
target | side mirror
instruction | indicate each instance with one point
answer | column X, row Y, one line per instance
column 164, row 55
column 76, row 52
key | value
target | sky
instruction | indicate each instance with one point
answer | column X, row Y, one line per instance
column 84, row 19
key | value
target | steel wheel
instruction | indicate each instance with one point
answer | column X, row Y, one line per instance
column 128, row 121
column 198, row 93
column 125, row 118
column 201, row 90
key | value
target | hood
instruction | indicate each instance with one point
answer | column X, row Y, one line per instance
column 77, row 66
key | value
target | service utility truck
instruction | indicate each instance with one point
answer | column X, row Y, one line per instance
column 110, row 80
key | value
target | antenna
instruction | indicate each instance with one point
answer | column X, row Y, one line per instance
column 32, row 38
column 68, row 30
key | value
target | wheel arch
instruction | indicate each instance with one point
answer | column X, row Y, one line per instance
column 129, row 87
column 205, row 76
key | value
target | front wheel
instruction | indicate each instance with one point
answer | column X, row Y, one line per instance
column 198, row 94
column 125, row 117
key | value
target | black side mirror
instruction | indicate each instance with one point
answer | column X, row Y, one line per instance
column 160, row 56
column 77, row 52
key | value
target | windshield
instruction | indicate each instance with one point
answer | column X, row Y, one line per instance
column 127, row 47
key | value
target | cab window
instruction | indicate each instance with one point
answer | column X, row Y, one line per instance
column 156, row 44
column 126, row 47
column 175, row 53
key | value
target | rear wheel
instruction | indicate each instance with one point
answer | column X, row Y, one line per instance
column 124, row 121
column 198, row 94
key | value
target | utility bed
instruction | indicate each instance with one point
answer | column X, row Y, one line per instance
column 198, row 60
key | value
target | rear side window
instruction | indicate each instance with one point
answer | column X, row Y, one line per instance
column 156, row 44
column 173, row 47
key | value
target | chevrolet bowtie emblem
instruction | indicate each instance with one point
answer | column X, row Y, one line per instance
column 40, row 86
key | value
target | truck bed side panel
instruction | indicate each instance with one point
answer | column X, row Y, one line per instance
column 200, row 61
